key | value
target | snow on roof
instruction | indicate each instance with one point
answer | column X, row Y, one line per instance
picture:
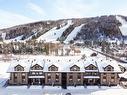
column 36, row 61
column 64, row 63
column 24, row 63
column 90, row 61
column 104, row 63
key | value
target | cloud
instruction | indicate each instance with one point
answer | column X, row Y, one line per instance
column 76, row 9
column 36, row 8
column 8, row 19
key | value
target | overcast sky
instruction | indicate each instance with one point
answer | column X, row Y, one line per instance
column 15, row 12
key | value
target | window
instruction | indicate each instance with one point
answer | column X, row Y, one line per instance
column 23, row 74
column 36, row 67
column 19, row 68
column 91, row 67
column 33, row 73
column 109, row 68
column 49, row 76
column 75, row 68
column 94, row 74
column 37, row 73
column 104, row 74
column 23, row 77
column 87, row 74
column 104, row 77
column 40, row 73
column 53, row 68
column 57, row 75
column 79, row 78
column 49, row 80
column 15, row 77
column 112, row 78
column 57, row 80
column 70, row 77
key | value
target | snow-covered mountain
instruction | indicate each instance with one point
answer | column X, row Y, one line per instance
column 111, row 28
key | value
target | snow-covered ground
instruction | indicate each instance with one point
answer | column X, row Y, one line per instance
column 73, row 33
column 56, row 90
column 54, row 33
column 123, row 28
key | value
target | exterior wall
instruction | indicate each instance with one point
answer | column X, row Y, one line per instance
column 70, row 80
column 74, row 80
column 52, row 80
column 108, row 80
column 92, row 80
column 19, row 80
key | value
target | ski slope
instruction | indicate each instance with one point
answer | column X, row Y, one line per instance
column 16, row 39
column 54, row 33
column 123, row 28
column 73, row 33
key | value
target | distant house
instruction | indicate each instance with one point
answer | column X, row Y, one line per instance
column 64, row 72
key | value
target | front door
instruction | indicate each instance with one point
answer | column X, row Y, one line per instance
column 91, row 81
column 64, row 80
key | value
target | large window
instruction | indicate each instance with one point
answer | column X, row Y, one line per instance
column 23, row 77
column 70, row 78
column 49, row 77
column 112, row 78
column 57, row 75
column 104, row 78
column 15, row 77
column 79, row 77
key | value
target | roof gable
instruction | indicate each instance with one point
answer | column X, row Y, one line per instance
column 52, row 68
column 109, row 68
column 19, row 68
column 37, row 67
column 91, row 67
column 75, row 68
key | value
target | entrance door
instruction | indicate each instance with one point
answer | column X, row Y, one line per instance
column 64, row 80
column 91, row 81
